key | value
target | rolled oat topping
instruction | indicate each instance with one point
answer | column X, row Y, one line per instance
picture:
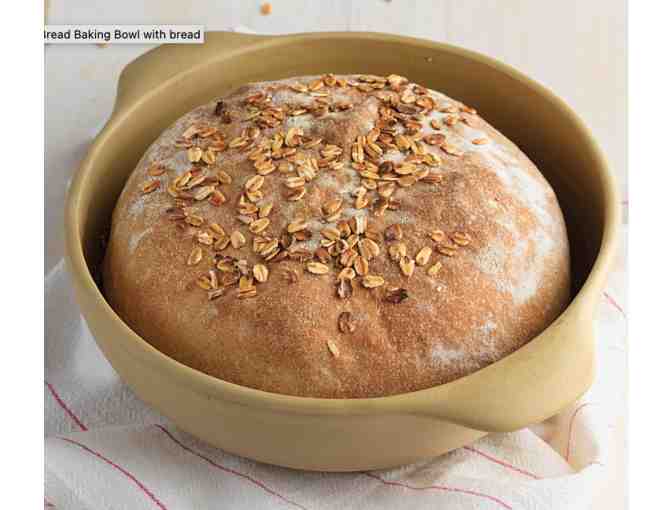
column 412, row 136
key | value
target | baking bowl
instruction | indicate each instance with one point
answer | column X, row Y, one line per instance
column 535, row 382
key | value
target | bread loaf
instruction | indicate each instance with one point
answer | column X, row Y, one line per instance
column 336, row 236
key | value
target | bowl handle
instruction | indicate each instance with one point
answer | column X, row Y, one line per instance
column 528, row 386
column 155, row 68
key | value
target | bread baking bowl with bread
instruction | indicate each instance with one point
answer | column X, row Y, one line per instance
column 303, row 267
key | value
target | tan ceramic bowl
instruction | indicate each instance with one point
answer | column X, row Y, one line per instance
column 528, row 386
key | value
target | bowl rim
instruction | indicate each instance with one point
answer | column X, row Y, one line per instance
column 584, row 300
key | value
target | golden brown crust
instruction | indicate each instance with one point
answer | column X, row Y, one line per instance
column 484, row 203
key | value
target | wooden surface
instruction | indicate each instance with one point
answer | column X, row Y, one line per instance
column 576, row 48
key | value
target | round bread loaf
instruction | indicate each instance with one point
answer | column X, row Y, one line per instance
column 336, row 236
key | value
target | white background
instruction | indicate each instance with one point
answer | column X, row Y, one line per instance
column 575, row 47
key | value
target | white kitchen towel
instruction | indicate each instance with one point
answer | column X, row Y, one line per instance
column 105, row 449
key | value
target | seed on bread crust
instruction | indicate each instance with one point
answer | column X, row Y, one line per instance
column 372, row 281
column 346, row 322
column 260, row 272
column 195, row 256
column 317, row 268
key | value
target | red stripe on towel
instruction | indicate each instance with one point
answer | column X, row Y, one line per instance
column 441, row 488
column 229, row 470
column 65, row 407
column 571, row 428
column 614, row 303
column 116, row 466
column 502, row 463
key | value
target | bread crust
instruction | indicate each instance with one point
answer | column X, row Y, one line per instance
column 508, row 277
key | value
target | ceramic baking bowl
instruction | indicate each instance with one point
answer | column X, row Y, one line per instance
column 535, row 382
